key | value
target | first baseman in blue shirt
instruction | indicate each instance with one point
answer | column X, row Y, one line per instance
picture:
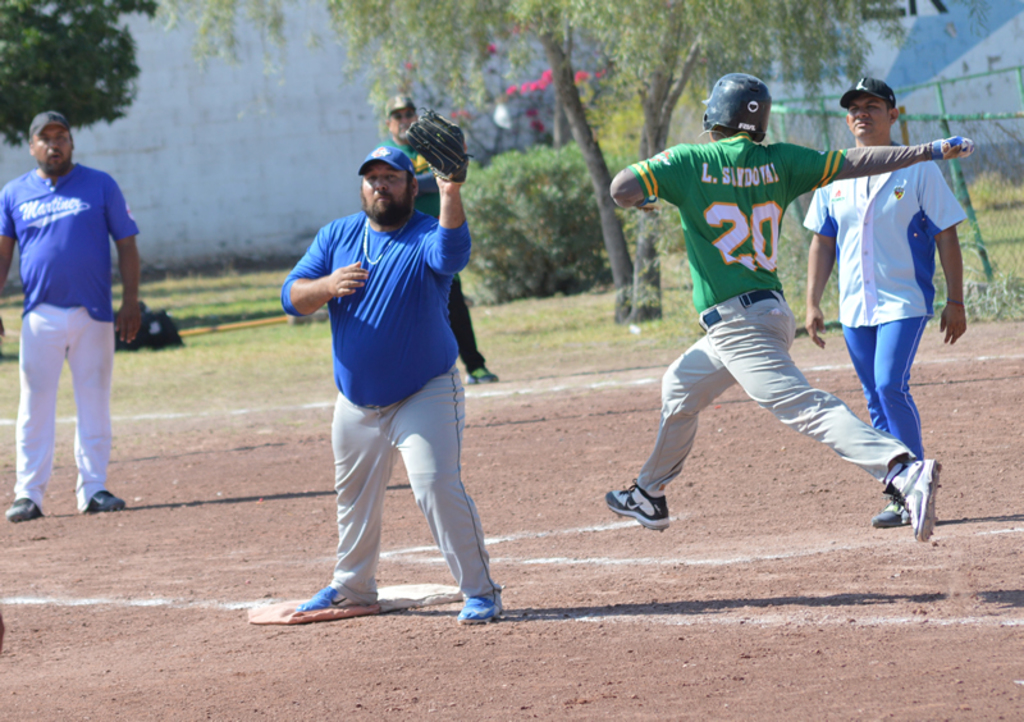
column 63, row 216
column 385, row 274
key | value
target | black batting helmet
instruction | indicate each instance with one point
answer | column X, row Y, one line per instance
column 739, row 102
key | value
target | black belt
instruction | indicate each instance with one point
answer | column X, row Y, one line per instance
column 710, row 317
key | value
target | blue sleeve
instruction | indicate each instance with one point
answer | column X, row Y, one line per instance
column 819, row 220
column 316, row 263
column 119, row 221
column 448, row 249
column 7, row 227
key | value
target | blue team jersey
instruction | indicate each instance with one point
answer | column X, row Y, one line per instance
column 63, row 234
column 391, row 336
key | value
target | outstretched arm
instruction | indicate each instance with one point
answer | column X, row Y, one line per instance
column 885, row 158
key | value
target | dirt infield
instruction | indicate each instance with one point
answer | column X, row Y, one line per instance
column 769, row 597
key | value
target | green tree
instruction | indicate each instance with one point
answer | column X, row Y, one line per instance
column 656, row 48
column 66, row 55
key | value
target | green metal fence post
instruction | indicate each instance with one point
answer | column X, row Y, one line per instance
column 826, row 142
column 960, row 190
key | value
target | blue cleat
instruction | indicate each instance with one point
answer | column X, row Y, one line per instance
column 321, row 600
column 479, row 610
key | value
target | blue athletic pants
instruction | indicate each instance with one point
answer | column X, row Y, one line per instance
column 882, row 356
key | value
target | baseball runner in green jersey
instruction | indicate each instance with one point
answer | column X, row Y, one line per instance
column 731, row 195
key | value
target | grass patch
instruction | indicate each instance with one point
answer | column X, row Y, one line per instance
column 284, row 365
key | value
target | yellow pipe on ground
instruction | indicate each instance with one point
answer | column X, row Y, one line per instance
column 233, row 326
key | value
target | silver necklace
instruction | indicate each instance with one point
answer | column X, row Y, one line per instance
column 366, row 247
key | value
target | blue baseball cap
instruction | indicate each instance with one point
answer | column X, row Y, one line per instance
column 390, row 155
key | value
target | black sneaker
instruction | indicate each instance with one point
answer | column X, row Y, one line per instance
column 894, row 515
column 481, row 376
column 23, row 510
column 650, row 511
column 104, row 501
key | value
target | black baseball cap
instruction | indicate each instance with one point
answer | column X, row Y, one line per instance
column 869, row 86
column 47, row 117
column 400, row 102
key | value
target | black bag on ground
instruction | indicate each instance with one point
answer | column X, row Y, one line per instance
column 156, row 331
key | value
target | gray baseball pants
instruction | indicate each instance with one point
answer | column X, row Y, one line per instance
column 426, row 430
column 749, row 345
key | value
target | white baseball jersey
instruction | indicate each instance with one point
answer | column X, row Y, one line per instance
column 885, row 241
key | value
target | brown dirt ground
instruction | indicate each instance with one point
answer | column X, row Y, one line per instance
column 769, row 597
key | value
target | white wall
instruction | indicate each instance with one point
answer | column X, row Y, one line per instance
column 949, row 44
column 230, row 160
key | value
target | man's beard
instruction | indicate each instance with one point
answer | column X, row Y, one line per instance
column 55, row 168
column 395, row 213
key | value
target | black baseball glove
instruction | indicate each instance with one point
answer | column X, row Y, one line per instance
column 442, row 145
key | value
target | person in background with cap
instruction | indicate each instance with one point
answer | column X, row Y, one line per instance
column 62, row 216
column 884, row 230
column 384, row 274
column 401, row 114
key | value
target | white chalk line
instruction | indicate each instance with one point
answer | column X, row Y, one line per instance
column 407, row 555
column 493, row 541
column 113, row 602
column 494, row 393
column 743, row 618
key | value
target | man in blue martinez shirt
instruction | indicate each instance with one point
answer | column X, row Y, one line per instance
column 884, row 230
column 384, row 274
column 62, row 216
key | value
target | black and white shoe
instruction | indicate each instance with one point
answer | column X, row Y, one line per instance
column 103, row 501
column 23, row 510
column 918, row 482
column 650, row 511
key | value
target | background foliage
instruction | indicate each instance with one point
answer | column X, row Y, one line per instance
column 535, row 226
column 66, row 55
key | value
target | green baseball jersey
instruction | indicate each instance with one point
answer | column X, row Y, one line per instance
column 429, row 203
column 731, row 195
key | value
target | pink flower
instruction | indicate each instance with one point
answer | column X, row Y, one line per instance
column 492, row 48
column 547, row 76
column 543, row 83
column 409, row 66
column 512, row 90
column 582, row 76
column 531, row 113
column 535, row 86
column 599, row 74
column 537, row 126
column 524, row 88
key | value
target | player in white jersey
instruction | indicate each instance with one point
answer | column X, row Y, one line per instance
column 884, row 231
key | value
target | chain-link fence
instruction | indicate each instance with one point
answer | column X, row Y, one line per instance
column 989, row 185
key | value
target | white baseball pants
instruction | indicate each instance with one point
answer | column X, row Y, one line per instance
column 426, row 430
column 49, row 335
column 750, row 346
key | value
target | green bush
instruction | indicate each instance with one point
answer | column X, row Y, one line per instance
column 535, row 225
